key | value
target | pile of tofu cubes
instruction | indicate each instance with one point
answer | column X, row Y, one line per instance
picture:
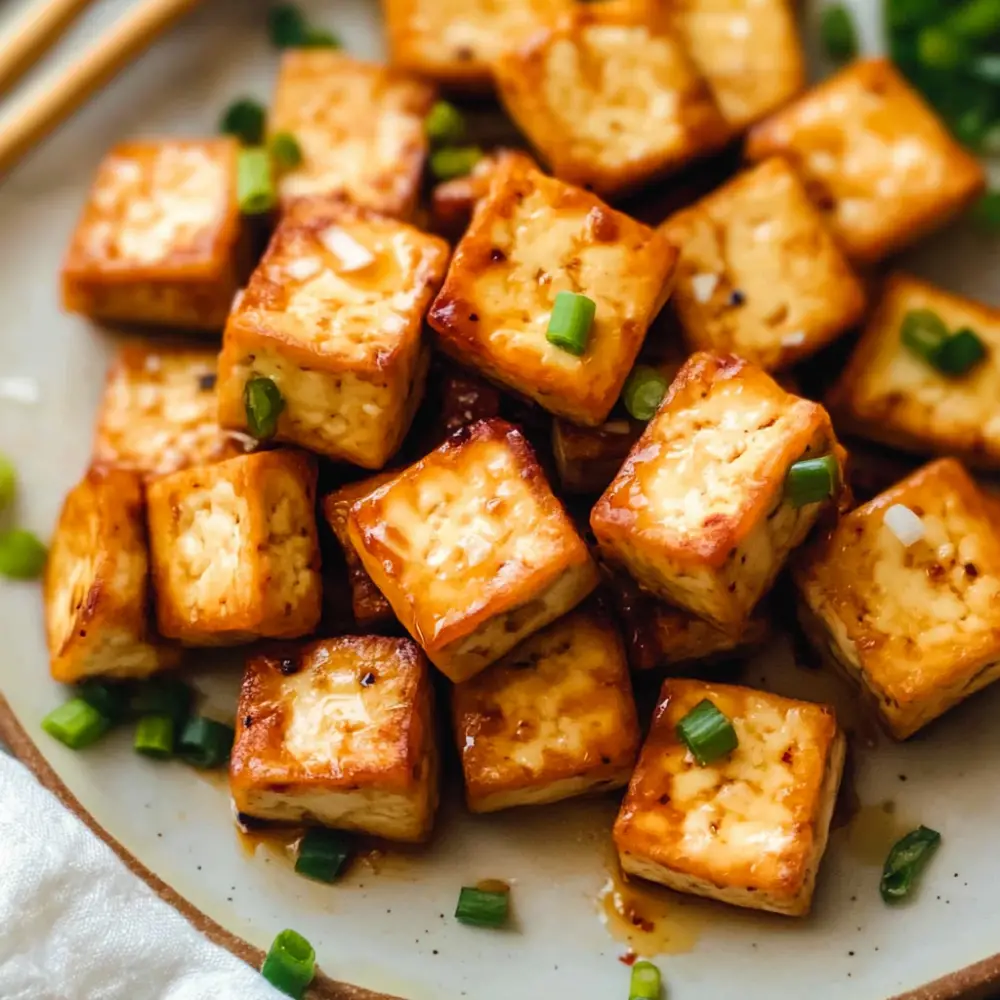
column 458, row 555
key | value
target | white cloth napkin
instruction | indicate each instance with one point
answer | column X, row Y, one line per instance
column 76, row 924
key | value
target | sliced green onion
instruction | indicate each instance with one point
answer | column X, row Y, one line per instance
column 255, row 189
column 263, row 403
column 905, row 862
column 205, row 743
column 812, row 480
column 707, row 733
column 245, row 119
column 454, row 161
column 162, row 696
column 111, row 700
column 8, row 482
column 76, row 723
column 290, row 964
column 975, row 20
column 912, row 13
column 154, row 736
column 22, row 555
column 644, row 391
column 323, row 854
column 923, row 332
column 285, row 150
column 986, row 213
column 478, row 908
column 940, row 49
column 645, row 984
column 961, row 352
column 321, row 38
column 570, row 322
column 444, row 124
column 286, row 26
column 840, row 37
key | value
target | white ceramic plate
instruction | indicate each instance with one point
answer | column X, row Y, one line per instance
column 391, row 929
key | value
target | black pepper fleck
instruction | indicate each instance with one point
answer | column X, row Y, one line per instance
column 248, row 721
column 206, row 382
column 287, row 667
column 736, row 297
column 368, row 680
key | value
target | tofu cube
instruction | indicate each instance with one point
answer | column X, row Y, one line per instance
column 889, row 394
column 339, row 732
column 531, row 238
column 916, row 626
column 360, row 127
column 760, row 274
column 160, row 239
column 234, row 550
column 333, row 315
column 749, row 829
column 698, row 513
column 471, row 548
column 875, row 158
column 97, row 595
column 610, row 99
column 553, row 719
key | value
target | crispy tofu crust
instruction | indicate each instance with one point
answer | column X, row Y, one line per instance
column 160, row 239
column 918, row 628
column 610, row 99
column 888, row 394
column 875, row 158
column 96, row 589
column 341, row 336
column 749, row 829
column 553, row 719
column 471, row 548
column 339, row 732
column 760, row 274
column 532, row 237
column 235, row 554
column 697, row 513
column 360, row 127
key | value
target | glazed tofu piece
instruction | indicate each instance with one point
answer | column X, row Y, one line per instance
column 760, row 274
column 748, row 829
column 333, row 315
column 160, row 240
column 876, row 160
column 159, row 412
column 553, row 719
column 339, row 732
column 892, row 395
column 904, row 596
column 531, row 238
column 234, row 550
column 360, row 127
column 698, row 513
column 97, row 593
column 588, row 458
column 610, row 99
column 455, row 42
column 471, row 548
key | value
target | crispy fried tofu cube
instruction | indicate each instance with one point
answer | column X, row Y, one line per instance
column 455, row 42
column 553, row 719
column 610, row 99
column 471, row 548
column 749, row 829
column 531, row 238
column 160, row 239
column 892, row 395
column 360, row 127
column 333, row 315
column 339, row 732
column 875, row 158
column 760, row 275
column 916, row 626
column 234, row 550
column 97, row 594
column 698, row 513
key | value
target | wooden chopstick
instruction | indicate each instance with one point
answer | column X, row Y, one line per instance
column 30, row 122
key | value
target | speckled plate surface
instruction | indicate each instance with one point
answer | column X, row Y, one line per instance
column 388, row 926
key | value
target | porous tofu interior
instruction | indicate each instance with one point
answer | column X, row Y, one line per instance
column 291, row 544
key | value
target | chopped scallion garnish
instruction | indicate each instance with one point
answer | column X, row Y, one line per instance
column 905, row 862
column 939, row 49
column 246, row 120
column 570, row 322
column 109, row 698
column 22, row 555
column 255, row 189
column 290, row 964
column 479, row 908
column 454, row 161
column 840, row 38
column 707, row 733
column 444, row 124
column 205, row 743
column 321, row 38
column 927, row 336
column 986, row 212
column 154, row 736
column 645, row 983
column 286, row 25
column 323, row 854
column 263, row 403
column 975, row 20
column 644, row 391
column 76, row 723
column 162, row 696
column 285, row 150
column 960, row 353
column 812, row 480
column 8, row 482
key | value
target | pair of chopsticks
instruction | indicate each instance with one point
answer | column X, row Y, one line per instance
column 40, row 28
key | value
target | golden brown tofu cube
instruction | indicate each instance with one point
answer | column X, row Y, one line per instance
column 553, row 719
column 892, row 395
column 610, row 99
column 455, row 42
column 875, row 158
column 748, row 829
column 698, row 513
column 234, row 550
column 160, row 239
column 471, row 548
column 907, row 603
column 333, row 315
column 360, row 127
column 97, row 584
column 339, row 732
column 760, row 275
column 531, row 238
